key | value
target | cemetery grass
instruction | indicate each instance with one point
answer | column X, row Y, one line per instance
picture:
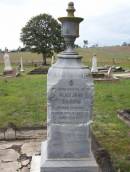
column 23, row 101
column 111, row 132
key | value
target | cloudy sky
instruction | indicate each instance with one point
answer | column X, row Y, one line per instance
column 106, row 22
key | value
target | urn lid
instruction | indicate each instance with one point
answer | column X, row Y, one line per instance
column 70, row 14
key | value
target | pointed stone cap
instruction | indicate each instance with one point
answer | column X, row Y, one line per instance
column 70, row 15
column 70, row 9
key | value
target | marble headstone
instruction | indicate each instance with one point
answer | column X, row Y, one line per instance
column 109, row 73
column 52, row 60
column 21, row 65
column 7, row 68
column 69, row 108
column 94, row 68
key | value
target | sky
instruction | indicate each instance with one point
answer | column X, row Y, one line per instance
column 106, row 22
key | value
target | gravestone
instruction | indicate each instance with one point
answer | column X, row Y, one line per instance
column 18, row 71
column 109, row 73
column 21, row 65
column 7, row 68
column 69, row 108
column 94, row 68
column 52, row 60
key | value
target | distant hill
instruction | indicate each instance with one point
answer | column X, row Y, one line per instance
column 115, row 55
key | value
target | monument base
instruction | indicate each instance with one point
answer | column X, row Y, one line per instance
column 67, row 165
column 8, row 72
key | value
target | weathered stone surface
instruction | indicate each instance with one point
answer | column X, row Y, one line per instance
column 70, row 95
column 68, row 141
column 87, row 165
column 10, row 155
column 2, row 136
column 71, row 166
column 10, row 167
column 31, row 148
column 25, row 169
column 10, row 134
column 7, row 145
column 25, row 162
column 66, row 165
column 30, row 134
column 69, row 101
column 69, row 110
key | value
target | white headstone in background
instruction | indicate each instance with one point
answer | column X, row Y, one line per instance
column 94, row 68
column 7, row 63
column 21, row 65
column 109, row 73
column 52, row 60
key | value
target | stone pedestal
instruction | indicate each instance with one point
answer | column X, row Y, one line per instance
column 67, row 165
column 70, row 91
column 69, row 108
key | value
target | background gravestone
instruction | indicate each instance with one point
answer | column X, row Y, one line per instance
column 7, row 68
column 94, row 68
column 21, row 65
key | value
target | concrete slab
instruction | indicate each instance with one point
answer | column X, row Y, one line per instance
column 31, row 148
column 122, row 75
column 35, row 164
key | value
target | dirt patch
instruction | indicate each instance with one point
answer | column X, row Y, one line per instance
column 39, row 70
column 102, row 156
column 124, row 115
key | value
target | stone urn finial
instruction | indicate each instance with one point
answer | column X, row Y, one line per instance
column 71, row 9
column 70, row 28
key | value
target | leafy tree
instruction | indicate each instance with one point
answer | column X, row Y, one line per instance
column 124, row 44
column 85, row 43
column 42, row 34
column 76, row 46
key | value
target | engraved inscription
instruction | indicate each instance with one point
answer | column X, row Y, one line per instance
column 69, row 102
column 68, row 117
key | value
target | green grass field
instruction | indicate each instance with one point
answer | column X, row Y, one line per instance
column 112, row 133
column 23, row 101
